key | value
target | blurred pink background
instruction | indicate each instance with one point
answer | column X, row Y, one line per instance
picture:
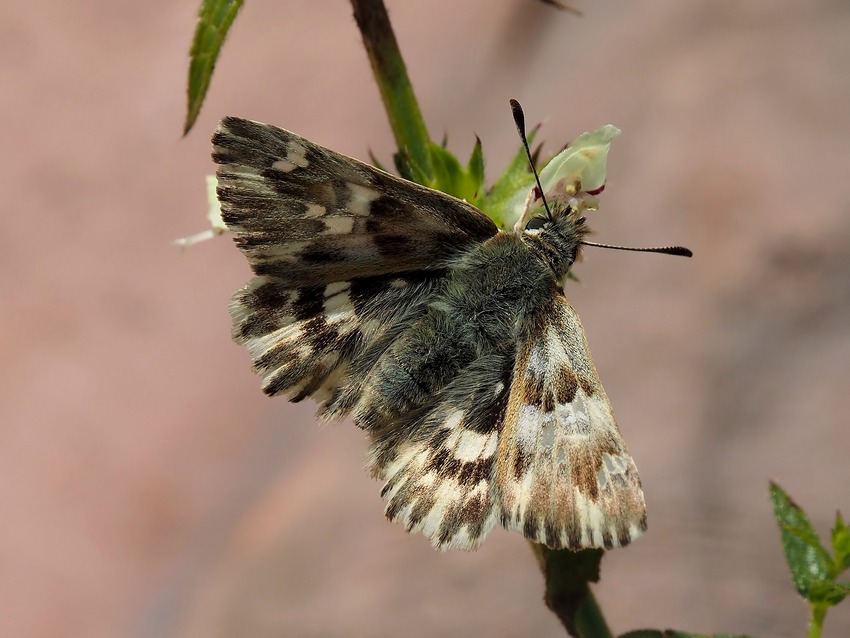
column 148, row 488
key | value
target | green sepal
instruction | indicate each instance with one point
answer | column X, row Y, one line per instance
column 450, row 177
column 515, row 177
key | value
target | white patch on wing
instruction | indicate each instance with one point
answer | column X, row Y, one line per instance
column 247, row 173
column 491, row 445
column 528, row 426
column 538, row 365
column 315, row 211
column 288, row 251
column 284, row 166
column 338, row 310
column 361, row 198
column 296, row 157
column 336, row 287
column 453, row 419
column 592, row 520
column 337, row 225
column 297, row 153
column 470, row 445
column 431, row 501
column 287, row 334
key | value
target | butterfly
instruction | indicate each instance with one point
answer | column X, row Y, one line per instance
column 448, row 341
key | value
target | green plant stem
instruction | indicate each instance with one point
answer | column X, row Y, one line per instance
column 816, row 619
column 568, row 576
column 388, row 66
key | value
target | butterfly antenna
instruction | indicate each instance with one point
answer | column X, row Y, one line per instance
column 679, row 251
column 519, row 118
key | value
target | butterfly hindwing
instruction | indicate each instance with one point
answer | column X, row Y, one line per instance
column 306, row 215
column 311, row 340
column 563, row 475
column 439, row 467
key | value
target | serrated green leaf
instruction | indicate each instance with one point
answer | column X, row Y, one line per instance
column 214, row 20
column 808, row 536
column 840, row 545
column 807, row 558
column 827, row 591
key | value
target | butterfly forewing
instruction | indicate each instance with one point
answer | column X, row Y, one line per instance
column 306, row 215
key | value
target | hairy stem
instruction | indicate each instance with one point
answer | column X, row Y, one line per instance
column 406, row 120
column 568, row 576
column 816, row 620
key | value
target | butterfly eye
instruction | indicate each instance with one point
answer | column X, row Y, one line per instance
column 536, row 223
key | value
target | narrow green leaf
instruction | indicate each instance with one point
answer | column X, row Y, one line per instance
column 809, row 537
column 475, row 168
column 840, row 545
column 807, row 558
column 214, row 20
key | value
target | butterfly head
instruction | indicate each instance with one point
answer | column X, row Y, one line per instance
column 557, row 238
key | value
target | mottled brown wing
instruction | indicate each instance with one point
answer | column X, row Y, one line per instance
column 306, row 215
column 564, row 477
column 344, row 254
column 439, row 466
column 304, row 340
